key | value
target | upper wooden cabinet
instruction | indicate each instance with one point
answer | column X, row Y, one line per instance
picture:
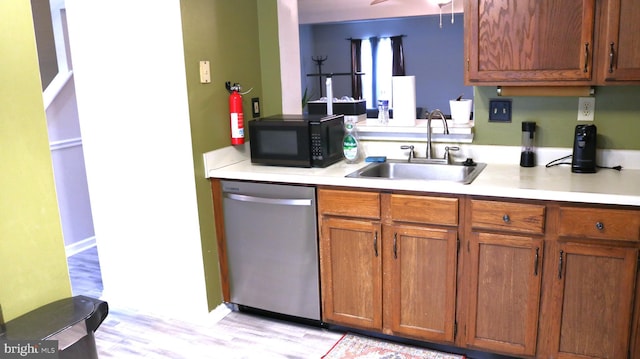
column 558, row 43
column 619, row 47
column 529, row 42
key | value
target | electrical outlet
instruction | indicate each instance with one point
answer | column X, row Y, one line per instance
column 500, row 110
column 586, row 107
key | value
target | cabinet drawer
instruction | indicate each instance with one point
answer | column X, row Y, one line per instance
column 508, row 216
column 349, row 203
column 600, row 223
column 419, row 209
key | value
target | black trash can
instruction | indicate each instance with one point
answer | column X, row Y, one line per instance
column 70, row 321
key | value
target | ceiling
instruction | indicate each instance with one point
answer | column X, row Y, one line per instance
column 322, row 11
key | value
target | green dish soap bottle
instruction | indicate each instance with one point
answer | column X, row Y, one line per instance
column 350, row 144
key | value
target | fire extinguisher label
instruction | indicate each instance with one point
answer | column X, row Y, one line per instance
column 236, row 121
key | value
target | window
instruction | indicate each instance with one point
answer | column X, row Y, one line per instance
column 378, row 64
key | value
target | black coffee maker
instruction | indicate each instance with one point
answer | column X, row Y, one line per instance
column 584, row 149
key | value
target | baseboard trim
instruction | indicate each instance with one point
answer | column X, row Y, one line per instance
column 80, row 246
column 219, row 313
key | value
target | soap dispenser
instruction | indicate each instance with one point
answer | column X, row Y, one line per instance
column 351, row 144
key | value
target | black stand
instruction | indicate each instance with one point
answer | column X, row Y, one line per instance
column 319, row 61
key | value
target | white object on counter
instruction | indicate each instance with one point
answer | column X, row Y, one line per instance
column 461, row 110
column 329, row 85
column 404, row 101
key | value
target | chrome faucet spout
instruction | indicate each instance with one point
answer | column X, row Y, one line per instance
column 446, row 129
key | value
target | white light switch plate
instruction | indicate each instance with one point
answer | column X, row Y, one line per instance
column 205, row 72
column 586, row 108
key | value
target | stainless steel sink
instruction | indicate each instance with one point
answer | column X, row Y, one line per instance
column 398, row 170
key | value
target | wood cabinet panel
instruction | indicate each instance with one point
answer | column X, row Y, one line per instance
column 529, row 41
column 620, row 42
column 360, row 204
column 593, row 297
column 505, row 293
column 508, row 216
column 597, row 223
column 422, row 287
column 351, row 262
column 424, row 209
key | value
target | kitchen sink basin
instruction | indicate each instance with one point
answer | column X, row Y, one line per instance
column 399, row 170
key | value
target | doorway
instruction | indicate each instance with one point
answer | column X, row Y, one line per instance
column 65, row 142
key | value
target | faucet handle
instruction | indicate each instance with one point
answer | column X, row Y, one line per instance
column 410, row 148
column 446, row 152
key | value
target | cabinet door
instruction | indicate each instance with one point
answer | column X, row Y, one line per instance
column 620, row 41
column 350, row 267
column 593, row 295
column 505, row 293
column 422, row 266
column 529, row 41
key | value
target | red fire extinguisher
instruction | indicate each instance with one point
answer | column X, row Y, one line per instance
column 235, row 114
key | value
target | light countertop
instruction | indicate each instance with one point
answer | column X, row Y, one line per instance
column 497, row 179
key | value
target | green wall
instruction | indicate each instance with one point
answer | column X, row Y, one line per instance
column 33, row 267
column 226, row 33
column 270, row 57
column 617, row 117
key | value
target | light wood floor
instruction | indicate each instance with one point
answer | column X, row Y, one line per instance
column 128, row 333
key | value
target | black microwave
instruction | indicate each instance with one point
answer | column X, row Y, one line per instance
column 297, row 140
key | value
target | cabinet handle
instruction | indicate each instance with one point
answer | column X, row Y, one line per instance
column 599, row 226
column 375, row 243
column 611, row 55
column 586, row 57
column 395, row 245
column 506, row 218
column 535, row 265
column 560, row 265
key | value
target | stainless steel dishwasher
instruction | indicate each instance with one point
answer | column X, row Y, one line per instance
column 272, row 247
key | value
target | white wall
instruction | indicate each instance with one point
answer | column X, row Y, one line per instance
column 289, row 56
column 129, row 69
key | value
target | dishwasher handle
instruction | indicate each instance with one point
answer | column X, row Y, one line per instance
column 277, row 201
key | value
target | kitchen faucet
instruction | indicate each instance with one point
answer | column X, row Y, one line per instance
column 446, row 132
column 429, row 157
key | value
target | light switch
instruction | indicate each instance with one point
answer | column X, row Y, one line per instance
column 205, row 72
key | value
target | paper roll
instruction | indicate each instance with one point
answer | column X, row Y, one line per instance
column 404, row 101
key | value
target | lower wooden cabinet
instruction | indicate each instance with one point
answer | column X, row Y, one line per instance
column 593, row 263
column 531, row 279
column 505, row 273
column 351, row 272
column 506, row 246
column 389, row 274
column 421, row 281
column 593, row 292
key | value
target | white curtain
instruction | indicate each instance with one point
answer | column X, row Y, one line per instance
column 378, row 69
column 384, row 68
column 366, row 62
